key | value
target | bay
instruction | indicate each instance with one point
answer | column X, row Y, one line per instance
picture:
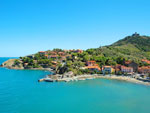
column 20, row 92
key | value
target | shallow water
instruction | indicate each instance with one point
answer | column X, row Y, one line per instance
column 21, row 93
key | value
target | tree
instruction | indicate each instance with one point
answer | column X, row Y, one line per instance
column 57, row 50
column 86, row 58
column 120, row 60
column 16, row 62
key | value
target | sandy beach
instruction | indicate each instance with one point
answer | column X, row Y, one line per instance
column 115, row 77
column 123, row 78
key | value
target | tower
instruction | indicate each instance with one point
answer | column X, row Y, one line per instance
column 135, row 34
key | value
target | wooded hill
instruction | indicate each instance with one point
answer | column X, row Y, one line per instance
column 133, row 47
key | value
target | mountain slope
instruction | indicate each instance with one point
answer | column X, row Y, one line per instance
column 140, row 42
column 133, row 47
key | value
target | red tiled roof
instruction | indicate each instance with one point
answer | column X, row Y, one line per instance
column 127, row 62
column 42, row 52
column 146, row 61
column 144, row 67
column 91, row 61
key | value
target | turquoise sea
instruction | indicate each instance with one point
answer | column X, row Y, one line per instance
column 21, row 93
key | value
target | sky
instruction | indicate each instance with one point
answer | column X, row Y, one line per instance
column 29, row 26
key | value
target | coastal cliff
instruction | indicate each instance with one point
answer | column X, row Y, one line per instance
column 13, row 64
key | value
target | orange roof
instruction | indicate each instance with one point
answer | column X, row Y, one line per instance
column 145, row 60
column 42, row 51
column 93, row 67
column 53, row 52
column 91, row 61
column 127, row 62
column 144, row 67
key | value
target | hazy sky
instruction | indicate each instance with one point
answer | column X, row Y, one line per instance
column 29, row 26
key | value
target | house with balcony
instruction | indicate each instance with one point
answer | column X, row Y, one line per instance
column 108, row 70
column 93, row 68
column 91, row 65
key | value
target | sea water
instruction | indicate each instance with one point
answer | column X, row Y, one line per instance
column 20, row 92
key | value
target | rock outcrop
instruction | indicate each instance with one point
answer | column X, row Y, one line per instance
column 10, row 64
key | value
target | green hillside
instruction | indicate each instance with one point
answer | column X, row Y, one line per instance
column 133, row 47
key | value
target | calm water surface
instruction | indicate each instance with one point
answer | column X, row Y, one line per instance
column 21, row 93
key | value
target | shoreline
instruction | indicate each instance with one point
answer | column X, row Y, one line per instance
column 96, row 76
column 85, row 77
column 124, row 78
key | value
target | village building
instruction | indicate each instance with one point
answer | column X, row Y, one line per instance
column 42, row 52
column 117, row 68
column 61, row 53
column 62, row 58
column 91, row 65
column 46, row 56
column 128, row 70
column 68, row 56
column 145, row 61
column 53, row 53
column 108, row 69
column 132, row 64
column 144, row 69
column 79, row 51
column 53, row 56
column 93, row 68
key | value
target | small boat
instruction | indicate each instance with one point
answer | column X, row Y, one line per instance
column 48, row 80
